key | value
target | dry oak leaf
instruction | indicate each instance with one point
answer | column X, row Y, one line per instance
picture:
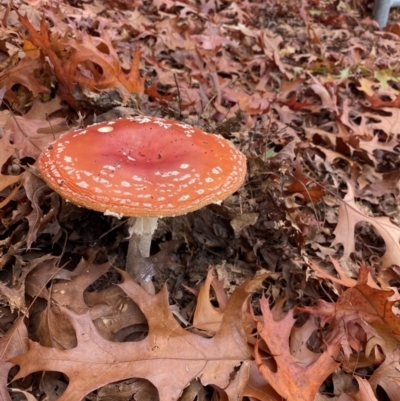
column 86, row 53
column 206, row 316
column 376, row 101
column 81, row 64
column 14, row 342
column 6, row 151
column 388, row 376
column 35, row 191
column 344, row 279
column 31, row 133
column 23, row 74
column 14, row 297
column 54, row 329
column 234, row 391
column 365, row 392
column 42, row 41
column 293, row 380
column 388, row 124
column 381, row 184
column 299, row 342
column 70, row 292
column 41, row 271
column 374, row 144
column 328, row 97
column 170, row 357
column 350, row 215
column 302, row 185
column 252, row 104
column 257, row 388
column 110, row 309
column 209, row 318
column 30, row 137
column 359, row 311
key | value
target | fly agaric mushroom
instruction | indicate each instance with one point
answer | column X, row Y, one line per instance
column 143, row 167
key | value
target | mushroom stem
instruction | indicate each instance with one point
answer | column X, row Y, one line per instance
column 141, row 231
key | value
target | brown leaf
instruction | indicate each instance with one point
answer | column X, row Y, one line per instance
column 252, row 104
column 359, row 311
column 29, row 136
column 365, row 391
column 13, row 343
column 344, row 279
column 298, row 343
column 6, row 151
column 23, row 74
column 14, row 297
column 134, row 389
column 383, row 184
column 328, row 98
column 236, row 386
column 350, row 215
column 36, row 190
column 79, row 62
column 86, row 53
column 206, row 316
column 54, row 329
column 303, row 185
column 292, row 379
column 42, row 41
column 186, row 355
column 387, row 375
column 41, row 271
column 70, row 292
column 370, row 304
column 258, row 388
column 112, row 310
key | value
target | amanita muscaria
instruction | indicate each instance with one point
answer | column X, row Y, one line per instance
column 142, row 167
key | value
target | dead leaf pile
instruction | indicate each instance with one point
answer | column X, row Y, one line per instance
column 301, row 302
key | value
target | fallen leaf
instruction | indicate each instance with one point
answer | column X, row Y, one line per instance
column 302, row 185
column 365, row 392
column 6, row 151
column 41, row 272
column 350, row 215
column 292, row 379
column 13, row 343
column 206, row 316
column 344, row 279
column 30, row 137
column 14, row 297
column 79, row 58
column 360, row 311
column 299, row 343
column 54, row 329
column 71, row 292
column 258, row 388
column 387, row 375
column 187, row 355
column 23, row 74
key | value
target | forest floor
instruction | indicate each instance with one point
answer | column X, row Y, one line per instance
column 286, row 290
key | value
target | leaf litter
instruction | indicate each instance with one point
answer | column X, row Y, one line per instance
column 289, row 288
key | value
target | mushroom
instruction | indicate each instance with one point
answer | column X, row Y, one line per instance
column 142, row 167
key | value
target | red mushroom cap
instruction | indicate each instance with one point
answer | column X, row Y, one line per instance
column 142, row 166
